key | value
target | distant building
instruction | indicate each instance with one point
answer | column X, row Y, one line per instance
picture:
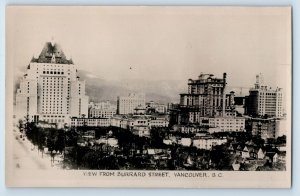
column 131, row 122
column 102, row 110
column 227, row 124
column 51, row 91
column 141, row 131
column 127, row 105
column 139, row 110
column 120, row 121
column 265, row 128
column 172, row 106
column 108, row 141
column 138, row 125
column 239, row 103
column 156, row 107
column 189, row 129
column 101, row 113
column 104, row 105
column 207, row 142
column 90, row 122
column 159, row 122
column 263, row 100
column 206, row 97
column 216, row 124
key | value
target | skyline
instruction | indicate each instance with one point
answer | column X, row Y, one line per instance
column 115, row 45
column 187, row 60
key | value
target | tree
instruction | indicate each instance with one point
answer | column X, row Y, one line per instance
column 220, row 156
column 281, row 140
column 60, row 141
column 21, row 125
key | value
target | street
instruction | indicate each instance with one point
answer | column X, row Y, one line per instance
column 27, row 157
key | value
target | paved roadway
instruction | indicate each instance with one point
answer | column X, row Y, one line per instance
column 27, row 157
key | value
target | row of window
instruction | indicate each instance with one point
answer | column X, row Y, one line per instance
column 54, row 72
column 55, row 120
column 50, row 79
column 51, row 65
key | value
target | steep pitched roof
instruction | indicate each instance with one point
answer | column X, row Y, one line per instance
column 52, row 53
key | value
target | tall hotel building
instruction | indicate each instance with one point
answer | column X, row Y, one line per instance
column 50, row 91
column 206, row 97
column 263, row 100
column 128, row 104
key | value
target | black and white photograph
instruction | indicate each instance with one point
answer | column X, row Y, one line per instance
column 148, row 96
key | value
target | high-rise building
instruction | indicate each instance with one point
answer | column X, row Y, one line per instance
column 206, row 97
column 50, row 90
column 127, row 105
column 263, row 100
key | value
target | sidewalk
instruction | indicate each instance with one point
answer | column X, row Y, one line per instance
column 27, row 156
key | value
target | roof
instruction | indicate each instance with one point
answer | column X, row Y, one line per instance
column 271, row 154
column 52, row 53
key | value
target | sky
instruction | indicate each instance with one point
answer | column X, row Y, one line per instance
column 159, row 43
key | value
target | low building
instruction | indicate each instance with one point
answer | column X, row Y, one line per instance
column 185, row 141
column 246, row 153
column 101, row 113
column 109, row 141
column 227, row 124
column 207, row 143
column 44, row 124
column 102, row 110
column 141, row 131
column 261, row 154
column 131, row 121
column 156, row 107
column 159, row 122
column 89, row 134
column 139, row 110
column 90, row 122
column 265, row 128
column 138, row 121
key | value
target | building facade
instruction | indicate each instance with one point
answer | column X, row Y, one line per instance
column 208, row 143
column 127, row 105
column 265, row 128
column 101, row 113
column 215, row 124
column 50, row 91
column 130, row 122
column 206, row 97
column 156, row 107
column 90, row 122
column 102, row 110
column 263, row 100
column 227, row 124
